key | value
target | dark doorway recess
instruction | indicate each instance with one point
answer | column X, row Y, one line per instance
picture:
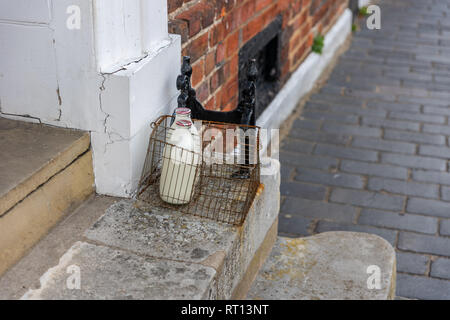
column 265, row 49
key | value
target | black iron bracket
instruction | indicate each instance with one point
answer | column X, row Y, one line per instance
column 354, row 7
column 245, row 110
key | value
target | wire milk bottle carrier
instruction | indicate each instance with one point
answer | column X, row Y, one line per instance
column 202, row 166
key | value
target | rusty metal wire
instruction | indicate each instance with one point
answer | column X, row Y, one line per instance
column 225, row 178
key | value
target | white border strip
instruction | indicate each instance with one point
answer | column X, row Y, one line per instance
column 304, row 78
column 363, row 3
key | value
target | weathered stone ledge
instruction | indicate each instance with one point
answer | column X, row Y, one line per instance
column 159, row 254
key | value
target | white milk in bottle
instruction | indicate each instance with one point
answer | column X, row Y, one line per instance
column 180, row 163
column 185, row 114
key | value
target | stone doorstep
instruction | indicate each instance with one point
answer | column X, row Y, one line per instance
column 327, row 266
column 32, row 218
column 159, row 254
column 31, row 155
column 45, row 172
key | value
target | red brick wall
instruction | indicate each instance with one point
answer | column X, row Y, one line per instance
column 213, row 31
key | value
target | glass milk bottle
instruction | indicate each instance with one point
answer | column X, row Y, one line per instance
column 185, row 114
column 180, row 163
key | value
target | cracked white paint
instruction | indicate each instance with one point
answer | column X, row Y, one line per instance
column 150, row 89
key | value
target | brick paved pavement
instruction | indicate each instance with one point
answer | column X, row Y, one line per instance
column 370, row 151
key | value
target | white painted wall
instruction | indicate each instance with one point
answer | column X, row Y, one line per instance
column 363, row 3
column 112, row 77
column 36, row 11
column 154, row 23
column 126, row 29
column 28, row 71
column 48, row 71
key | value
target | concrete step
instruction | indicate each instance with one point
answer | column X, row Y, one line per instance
column 139, row 252
column 46, row 253
column 328, row 266
column 45, row 172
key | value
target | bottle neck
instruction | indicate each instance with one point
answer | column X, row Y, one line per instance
column 181, row 127
column 183, row 117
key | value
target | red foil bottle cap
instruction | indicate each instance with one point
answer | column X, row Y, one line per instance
column 183, row 111
column 184, row 123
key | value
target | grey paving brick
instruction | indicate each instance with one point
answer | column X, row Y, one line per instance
column 388, row 235
column 375, row 169
column 363, row 94
column 414, row 137
column 403, row 187
column 315, row 106
column 437, row 110
column 443, row 78
column 415, row 162
column 417, row 92
column 394, row 106
column 331, row 127
column 425, row 85
column 417, row 117
column 444, row 229
column 412, row 263
column 428, row 207
column 314, row 136
column 319, row 210
column 330, row 88
column 433, row 58
column 440, row 94
column 423, row 101
column 346, row 153
column 425, row 288
column 361, row 85
column 384, row 145
column 367, row 199
column 331, row 179
column 295, row 145
column 338, row 117
column 399, row 90
column 360, row 111
column 335, row 99
column 308, row 161
column 302, row 190
column 296, row 226
column 440, row 268
column 389, row 53
column 373, row 80
column 394, row 124
column 422, row 243
column 362, row 58
column 408, row 75
column 434, row 128
column 306, row 124
column 431, row 176
column 393, row 220
column 439, row 152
